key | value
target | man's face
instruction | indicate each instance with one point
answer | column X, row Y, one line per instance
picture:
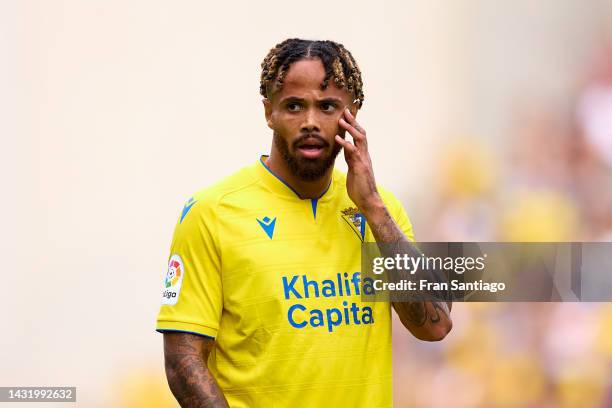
column 304, row 119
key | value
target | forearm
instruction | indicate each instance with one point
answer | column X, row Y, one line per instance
column 426, row 320
column 189, row 378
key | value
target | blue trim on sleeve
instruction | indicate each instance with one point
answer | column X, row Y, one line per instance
column 182, row 331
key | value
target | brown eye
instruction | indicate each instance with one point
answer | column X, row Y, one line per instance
column 294, row 107
column 328, row 107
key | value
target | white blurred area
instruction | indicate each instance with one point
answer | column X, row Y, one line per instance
column 490, row 121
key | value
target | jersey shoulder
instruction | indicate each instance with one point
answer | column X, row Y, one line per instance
column 234, row 183
column 205, row 201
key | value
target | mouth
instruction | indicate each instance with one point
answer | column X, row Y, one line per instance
column 311, row 147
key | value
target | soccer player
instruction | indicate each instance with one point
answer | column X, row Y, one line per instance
column 261, row 304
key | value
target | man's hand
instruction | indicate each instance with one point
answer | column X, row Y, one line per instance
column 360, row 182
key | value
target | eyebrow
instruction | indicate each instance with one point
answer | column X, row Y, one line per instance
column 298, row 99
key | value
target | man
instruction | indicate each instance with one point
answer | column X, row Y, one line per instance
column 262, row 304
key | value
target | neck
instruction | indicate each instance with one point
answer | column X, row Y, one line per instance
column 305, row 189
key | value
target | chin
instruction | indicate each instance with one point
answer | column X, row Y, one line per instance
column 308, row 169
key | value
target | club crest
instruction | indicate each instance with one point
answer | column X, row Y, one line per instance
column 355, row 220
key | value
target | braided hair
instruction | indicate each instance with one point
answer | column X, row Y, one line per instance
column 338, row 62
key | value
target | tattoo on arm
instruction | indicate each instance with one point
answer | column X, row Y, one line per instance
column 387, row 231
column 419, row 312
column 190, row 381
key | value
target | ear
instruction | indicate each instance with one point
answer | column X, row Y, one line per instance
column 354, row 108
column 268, row 111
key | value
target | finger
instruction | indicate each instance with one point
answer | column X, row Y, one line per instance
column 351, row 119
column 359, row 138
column 348, row 146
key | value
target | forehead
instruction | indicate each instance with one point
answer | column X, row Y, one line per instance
column 304, row 79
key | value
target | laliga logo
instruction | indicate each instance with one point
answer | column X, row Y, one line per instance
column 173, row 280
column 174, row 272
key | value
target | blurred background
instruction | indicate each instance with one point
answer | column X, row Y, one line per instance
column 490, row 121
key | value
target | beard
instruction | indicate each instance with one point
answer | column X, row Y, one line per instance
column 306, row 169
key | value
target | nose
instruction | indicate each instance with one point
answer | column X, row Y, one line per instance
column 310, row 123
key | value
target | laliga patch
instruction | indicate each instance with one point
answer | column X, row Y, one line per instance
column 173, row 281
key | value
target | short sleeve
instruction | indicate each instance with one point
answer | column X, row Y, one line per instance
column 192, row 298
column 404, row 222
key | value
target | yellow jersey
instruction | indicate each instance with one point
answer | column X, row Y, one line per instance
column 275, row 280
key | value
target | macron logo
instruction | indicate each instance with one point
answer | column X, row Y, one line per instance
column 187, row 207
column 267, row 225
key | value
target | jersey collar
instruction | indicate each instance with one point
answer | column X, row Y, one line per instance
column 280, row 186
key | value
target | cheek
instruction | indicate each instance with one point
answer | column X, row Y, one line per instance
column 286, row 124
column 331, row 125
